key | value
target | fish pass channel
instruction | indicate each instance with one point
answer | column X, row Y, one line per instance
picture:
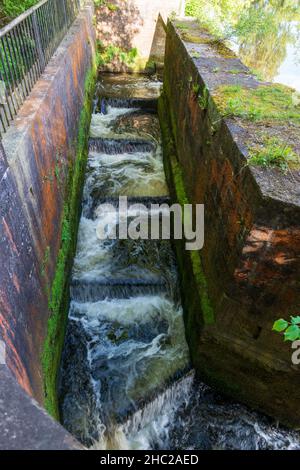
column 126, row 381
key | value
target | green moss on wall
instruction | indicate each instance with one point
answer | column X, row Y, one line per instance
column 175, row 175
column 208, row 312
column 59, row 292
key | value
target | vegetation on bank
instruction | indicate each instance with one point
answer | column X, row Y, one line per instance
column 265, row 102
column 107, row 54
column 263, row 30
column 274, row 153
column 106, row 3
column 290, row 329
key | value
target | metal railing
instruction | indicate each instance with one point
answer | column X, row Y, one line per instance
column 26, row 46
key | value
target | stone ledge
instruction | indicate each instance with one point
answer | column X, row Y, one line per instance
column 26, row 426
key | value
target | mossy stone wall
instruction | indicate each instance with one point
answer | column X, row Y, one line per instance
column 247, row 274
column 43, row 162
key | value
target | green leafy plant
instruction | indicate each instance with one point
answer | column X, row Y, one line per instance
column 290, row 329
column 273, row 153
column 195, row 55
column 196, row 89
column 235, row 71
column 99, row 3
column 182, row 26
column 107, row 55
column 112, row 7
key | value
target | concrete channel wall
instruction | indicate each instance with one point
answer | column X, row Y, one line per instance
column 247, row 275
column 37, row 155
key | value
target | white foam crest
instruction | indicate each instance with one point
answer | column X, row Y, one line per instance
column 101, row 123
column 140, row 309
column 93, row 254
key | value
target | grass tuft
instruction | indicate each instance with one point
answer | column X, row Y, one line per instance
column 266, row 102
column 274, row 153
column 58, row 293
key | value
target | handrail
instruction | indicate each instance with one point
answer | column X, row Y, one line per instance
column 26, row 46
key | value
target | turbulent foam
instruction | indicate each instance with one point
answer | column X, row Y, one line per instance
column 149, row 105
column 101, row 124
column 208, row 420
column 148, row 260
column 135, row 346
column 138, row 174
column 132, row 346
column 93, row 291
column 125, row 345
column 189, row 415
column 148, row 428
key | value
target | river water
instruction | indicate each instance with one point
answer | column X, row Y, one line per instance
column 126, row 380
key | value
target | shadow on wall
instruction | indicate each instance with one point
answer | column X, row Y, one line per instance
column 118, row 21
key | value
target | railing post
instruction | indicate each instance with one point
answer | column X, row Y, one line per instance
column 37, row 37
column 65, row 13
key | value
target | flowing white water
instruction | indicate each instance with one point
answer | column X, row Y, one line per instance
column 149, row 427
column 125, row 379
column 133, row 346
column 118, row 260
